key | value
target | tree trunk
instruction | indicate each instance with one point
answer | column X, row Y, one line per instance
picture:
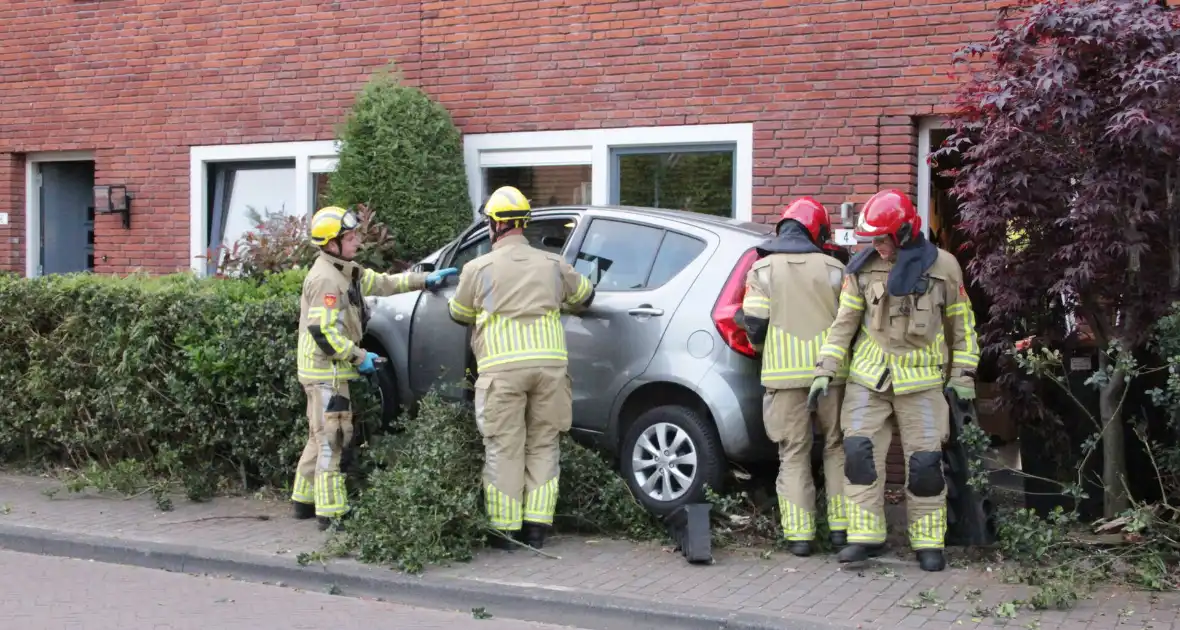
column 1114, row 450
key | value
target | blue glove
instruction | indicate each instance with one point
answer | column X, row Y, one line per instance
column 367, row 367
column 436, row 277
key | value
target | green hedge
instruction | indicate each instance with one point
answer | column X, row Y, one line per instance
column 103, row 369
column 142, row 381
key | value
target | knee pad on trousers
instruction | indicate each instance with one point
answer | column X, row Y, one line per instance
column 859, row 466
column 926, row 474
column 338, row 404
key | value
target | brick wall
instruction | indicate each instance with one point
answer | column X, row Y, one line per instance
column 831, row 86
column 12, row 201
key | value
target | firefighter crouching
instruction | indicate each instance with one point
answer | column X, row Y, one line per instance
column 514, row 296
column 898, row 295
column 332, row 320
column 792, row 295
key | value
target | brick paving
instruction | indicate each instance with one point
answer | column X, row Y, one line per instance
column 888, row 593
column 43, row 593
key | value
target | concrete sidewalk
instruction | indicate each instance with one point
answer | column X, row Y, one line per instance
column 596, row 583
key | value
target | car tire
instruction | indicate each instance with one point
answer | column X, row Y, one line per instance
column 696, row 436
column 386, row 382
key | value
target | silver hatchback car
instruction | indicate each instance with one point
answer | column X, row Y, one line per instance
column 664, row 379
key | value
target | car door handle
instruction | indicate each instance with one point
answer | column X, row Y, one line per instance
column 645, row 309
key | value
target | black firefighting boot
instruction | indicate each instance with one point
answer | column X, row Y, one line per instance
column 533, row 535
column 800, row 548
column 302, row 511
column 859, row 553
column 932, row 560
column 337, row 522
column 500, row 539
column 839, row 539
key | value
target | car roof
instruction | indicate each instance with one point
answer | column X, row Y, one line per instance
column 682, row 216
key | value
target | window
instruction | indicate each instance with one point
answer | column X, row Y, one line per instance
column 703, row 168
column 228, row 182
column 697, row 180
column 547, row 234
column 543, row 185
column 676, row 252
column 319, row 190
column 471, row 251
column 242, row 194
column 618, row 256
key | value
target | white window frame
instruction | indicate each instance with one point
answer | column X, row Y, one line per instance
column 318, row 156
column 593, row 147
column 926, row 127
column 33, row 202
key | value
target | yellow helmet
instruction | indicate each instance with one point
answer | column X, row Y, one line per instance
column 329, row 223
column 508, row 204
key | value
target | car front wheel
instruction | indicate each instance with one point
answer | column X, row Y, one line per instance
column 668, row 457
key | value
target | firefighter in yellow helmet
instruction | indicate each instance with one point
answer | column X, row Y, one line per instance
column 514, row 296
column 332, row 319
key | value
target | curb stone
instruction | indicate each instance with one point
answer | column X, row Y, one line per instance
column 532, row 602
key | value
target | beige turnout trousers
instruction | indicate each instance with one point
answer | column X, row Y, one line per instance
column 788, row 424
column 317, row 476
column 521, row 414
column 924, row 423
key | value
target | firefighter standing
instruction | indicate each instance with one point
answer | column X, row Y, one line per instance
column 792, row 295
column 897, row 295
column 514, row 296
column 332, row 319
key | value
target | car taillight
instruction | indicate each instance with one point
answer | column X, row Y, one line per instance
column 730, row 301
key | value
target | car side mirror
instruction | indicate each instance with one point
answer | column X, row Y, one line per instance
column 423, row 267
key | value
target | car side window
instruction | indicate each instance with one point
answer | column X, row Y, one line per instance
column 547, row 234
column 676, row 252
column 471, row 251
column 618, row 256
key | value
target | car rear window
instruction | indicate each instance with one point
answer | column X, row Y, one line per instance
column 676, row 252
column 627, row 256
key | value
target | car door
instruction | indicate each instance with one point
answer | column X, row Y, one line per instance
column 440, row 348
column 634, row 267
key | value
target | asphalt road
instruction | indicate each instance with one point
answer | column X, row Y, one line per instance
column 49, row 593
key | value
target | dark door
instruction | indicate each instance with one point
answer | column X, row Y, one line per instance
column 439, row 348
column 67, row 216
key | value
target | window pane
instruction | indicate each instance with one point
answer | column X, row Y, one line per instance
column 243, row 194
column 470, row 252
column 618, row 256
column 698, row 181
column 549, row 234
column 676, row 252
column 319, row 191
column 543, row 185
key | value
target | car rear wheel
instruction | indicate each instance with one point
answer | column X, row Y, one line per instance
column 669, row 455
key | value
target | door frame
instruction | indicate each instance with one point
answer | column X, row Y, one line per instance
column 33, row 163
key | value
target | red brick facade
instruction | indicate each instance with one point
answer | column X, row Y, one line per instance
column 832, row 87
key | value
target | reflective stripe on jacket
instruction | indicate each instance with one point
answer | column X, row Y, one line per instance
column 332, row 315
column 903, row 341
column 514, row 296
column 790, row 301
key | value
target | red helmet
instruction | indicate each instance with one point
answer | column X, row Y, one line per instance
column 889, row 212
column 812, row 215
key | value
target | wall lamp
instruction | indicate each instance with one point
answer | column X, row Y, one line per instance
column 113, row 199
